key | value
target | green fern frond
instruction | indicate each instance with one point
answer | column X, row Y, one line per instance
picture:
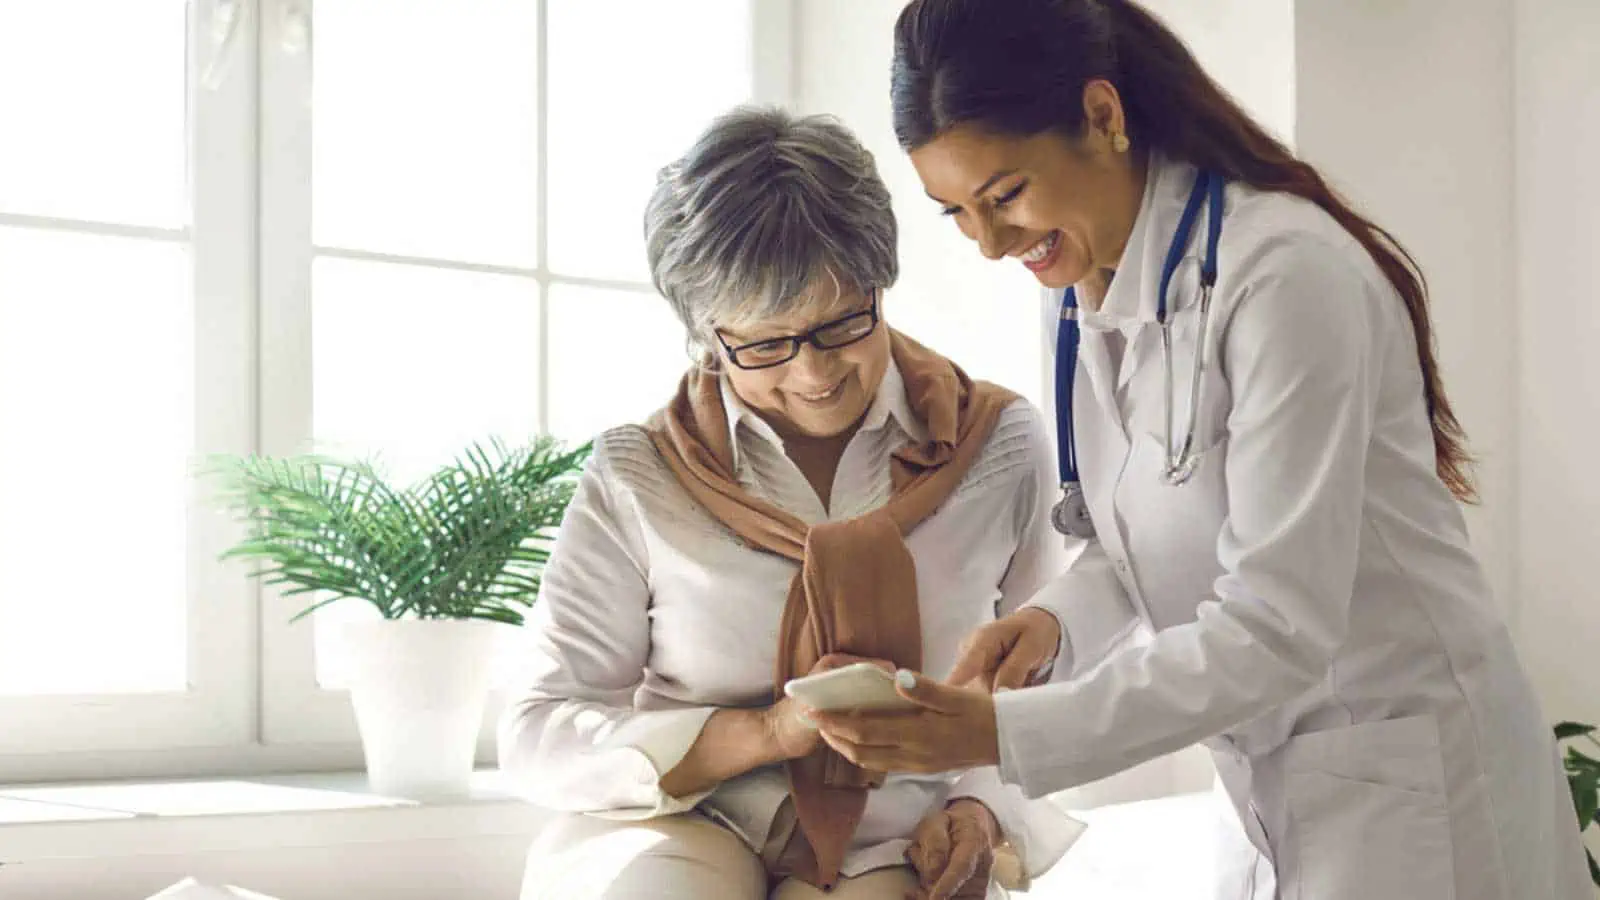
column 469, row 541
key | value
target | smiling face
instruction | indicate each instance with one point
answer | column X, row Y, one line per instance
column 770, row 227
column 818, row 393
column 1061, row 206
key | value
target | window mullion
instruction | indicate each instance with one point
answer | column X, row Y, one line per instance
column 542, row 208
column 60, row 737
column 222, row 188
column 294, row 709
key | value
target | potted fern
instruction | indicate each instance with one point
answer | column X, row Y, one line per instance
column 446, row 562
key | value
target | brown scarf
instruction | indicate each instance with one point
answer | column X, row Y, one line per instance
column 856, row 591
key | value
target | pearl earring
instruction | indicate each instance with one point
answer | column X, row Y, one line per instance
column 1119, row 142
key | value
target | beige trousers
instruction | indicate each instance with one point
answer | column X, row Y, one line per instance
column 683, row 857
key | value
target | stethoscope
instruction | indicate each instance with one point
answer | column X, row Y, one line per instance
column 1071, row 514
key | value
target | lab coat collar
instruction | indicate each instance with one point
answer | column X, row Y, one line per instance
column 888, row 405
column 1133, row 298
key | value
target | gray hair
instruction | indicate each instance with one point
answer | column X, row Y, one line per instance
column 764, row 207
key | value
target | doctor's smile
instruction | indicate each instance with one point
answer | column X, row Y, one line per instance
column 1041, row 256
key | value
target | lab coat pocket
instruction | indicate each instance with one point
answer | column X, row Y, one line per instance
column 1368, row 814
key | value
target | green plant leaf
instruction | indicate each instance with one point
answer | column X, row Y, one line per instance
column 469, row 541
column 1576, row 762
column 314, row 607
column 1566, row 730
column 1585, row 796
column 507, row 616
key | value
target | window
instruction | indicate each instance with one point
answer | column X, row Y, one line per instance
column 121, row 331
column 371, row 227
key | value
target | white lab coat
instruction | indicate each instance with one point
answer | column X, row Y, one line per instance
column 1310, row 606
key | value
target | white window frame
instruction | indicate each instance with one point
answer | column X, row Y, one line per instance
column 44, row 735
column 253, row 703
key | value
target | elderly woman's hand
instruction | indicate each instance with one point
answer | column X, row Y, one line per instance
column 952, row 728
column 953, row 852
column 791, row 726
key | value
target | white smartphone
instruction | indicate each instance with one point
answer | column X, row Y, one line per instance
column 856, row 686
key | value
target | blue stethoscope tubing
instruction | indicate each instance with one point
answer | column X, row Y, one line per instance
column 1071, row 514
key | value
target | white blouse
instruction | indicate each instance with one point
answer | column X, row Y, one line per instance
column 653, row 615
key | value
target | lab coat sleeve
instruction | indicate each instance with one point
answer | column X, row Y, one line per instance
column 571, row 739
column 1299, row 353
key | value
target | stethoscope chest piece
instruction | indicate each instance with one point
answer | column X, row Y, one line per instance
column 1070, row 516
column 1179, row 471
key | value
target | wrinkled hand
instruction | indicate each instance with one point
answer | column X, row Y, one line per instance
column 952, row 851
column 953, row 728
column 791, row 726
column 1008, row 653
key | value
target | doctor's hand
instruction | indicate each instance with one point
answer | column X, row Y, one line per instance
column 1010, row 652
column 952, row 851
column 950, row 728
column 790, row 729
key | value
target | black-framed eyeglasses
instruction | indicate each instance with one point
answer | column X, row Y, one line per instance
column 775, row 351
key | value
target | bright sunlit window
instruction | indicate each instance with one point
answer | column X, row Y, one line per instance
column 96, row 337
column 378, row 229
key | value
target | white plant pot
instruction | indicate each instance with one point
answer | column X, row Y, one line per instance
column 419, row 687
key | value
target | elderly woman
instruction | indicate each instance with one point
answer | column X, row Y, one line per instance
column 821, row 490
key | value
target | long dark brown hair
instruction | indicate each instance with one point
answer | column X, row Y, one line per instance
column 1019, row 67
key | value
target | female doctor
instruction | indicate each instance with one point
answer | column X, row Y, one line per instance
column 1260, row 476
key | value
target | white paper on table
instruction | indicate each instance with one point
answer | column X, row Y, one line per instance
column 193, row 889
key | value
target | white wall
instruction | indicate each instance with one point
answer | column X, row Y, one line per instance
column 1248, row 47
column 1556, row 133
